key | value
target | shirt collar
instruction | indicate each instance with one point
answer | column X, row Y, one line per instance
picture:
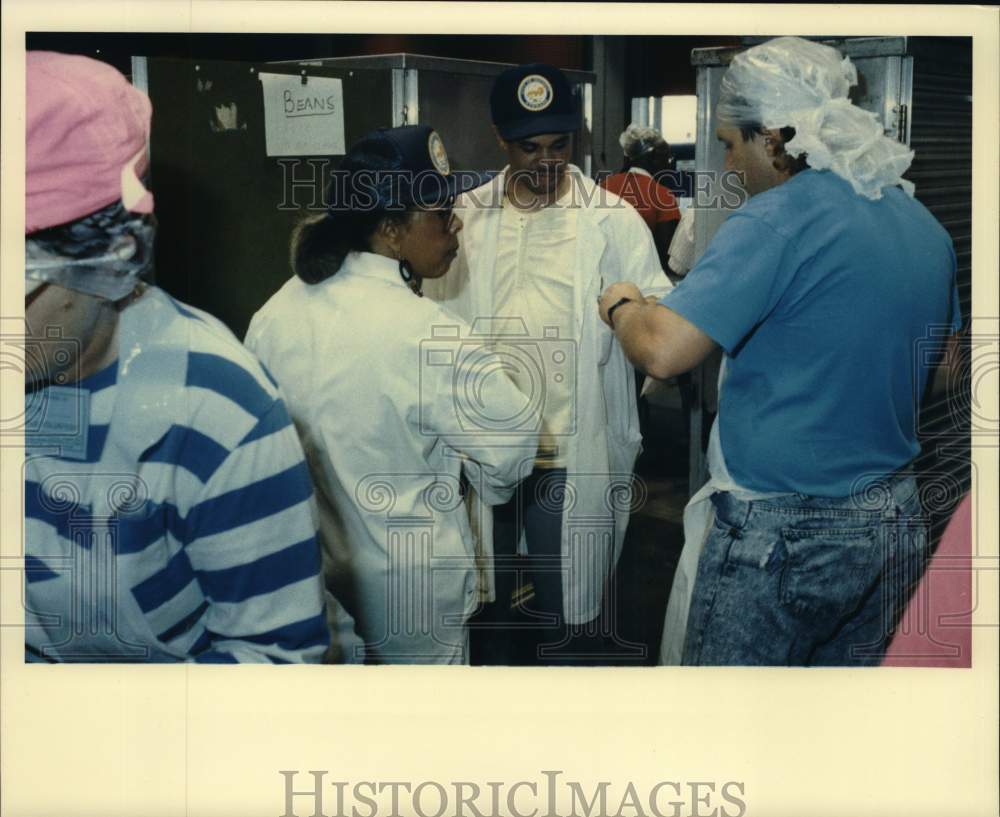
column 577, row 178
column 641, row 171
column 372, row 265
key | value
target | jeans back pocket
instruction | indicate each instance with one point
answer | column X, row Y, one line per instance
column 829, row 570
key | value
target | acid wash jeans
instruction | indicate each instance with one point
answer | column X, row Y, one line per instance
column 799, row 580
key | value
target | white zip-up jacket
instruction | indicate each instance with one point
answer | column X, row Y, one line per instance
column 370, row 373
column 613, row 244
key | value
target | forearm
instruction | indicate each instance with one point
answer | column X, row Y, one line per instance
column 639, row 334
column 658, row 341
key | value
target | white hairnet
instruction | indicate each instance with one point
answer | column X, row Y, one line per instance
column 637, row 141
column 791, row 82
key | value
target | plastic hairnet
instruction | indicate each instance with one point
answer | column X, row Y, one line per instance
column 637, row 141
column 791, row 82
column 105, row 254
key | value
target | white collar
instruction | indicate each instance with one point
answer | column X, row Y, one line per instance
column 489, row 198
column 499, row 182
column 640, row 171
column 372, row 265
column 378, row 267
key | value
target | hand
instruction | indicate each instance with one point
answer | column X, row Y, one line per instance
column 613, row 294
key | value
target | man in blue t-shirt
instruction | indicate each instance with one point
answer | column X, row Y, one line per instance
column 823, row 290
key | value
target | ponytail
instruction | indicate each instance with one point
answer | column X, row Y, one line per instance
column 320, row 243
column 316, row 249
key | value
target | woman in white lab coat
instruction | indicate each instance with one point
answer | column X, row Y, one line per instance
column 400, row 412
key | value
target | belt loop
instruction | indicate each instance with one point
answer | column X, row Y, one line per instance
column 737, row 511
column 894, row 485
column 745, row 516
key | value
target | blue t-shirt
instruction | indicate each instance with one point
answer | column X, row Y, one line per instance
column 830, row 307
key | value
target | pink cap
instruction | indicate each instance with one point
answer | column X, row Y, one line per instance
column 87, row 129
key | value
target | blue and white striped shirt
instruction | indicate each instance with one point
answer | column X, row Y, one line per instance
column 187, row 529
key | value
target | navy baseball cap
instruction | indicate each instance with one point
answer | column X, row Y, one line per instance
column 395, row 169
column 531, row 99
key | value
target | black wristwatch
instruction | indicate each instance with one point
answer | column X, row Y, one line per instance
column 614, row 306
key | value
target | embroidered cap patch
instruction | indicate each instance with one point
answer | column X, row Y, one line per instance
column 438, row 154
column 534, row 93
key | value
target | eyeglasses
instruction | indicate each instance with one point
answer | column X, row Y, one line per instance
column 446, row 217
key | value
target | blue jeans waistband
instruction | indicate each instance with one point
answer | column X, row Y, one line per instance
column 874, row 500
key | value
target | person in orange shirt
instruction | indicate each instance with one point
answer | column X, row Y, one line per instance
column 647, row 155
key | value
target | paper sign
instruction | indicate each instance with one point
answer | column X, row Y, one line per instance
column 303, row 119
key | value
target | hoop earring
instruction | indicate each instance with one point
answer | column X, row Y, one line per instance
column 413, row 281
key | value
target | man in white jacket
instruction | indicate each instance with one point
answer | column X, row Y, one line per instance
column 541, row 241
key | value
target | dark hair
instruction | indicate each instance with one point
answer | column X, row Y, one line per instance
column 782, row 161
column 320, row 243
column 358, row 194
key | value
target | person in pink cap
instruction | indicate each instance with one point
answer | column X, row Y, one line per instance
column 168, row 510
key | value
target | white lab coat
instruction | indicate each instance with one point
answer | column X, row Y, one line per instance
column 386, row 446
column 613, row 244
